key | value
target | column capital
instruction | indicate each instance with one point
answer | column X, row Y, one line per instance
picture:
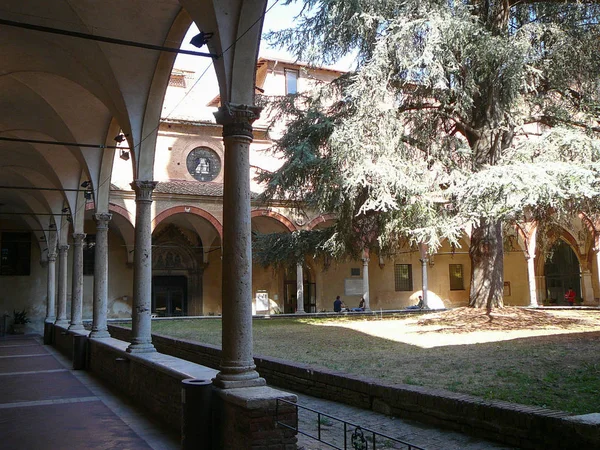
column 143, row 190
column 78, row 239
column 365, row 260
column 102, row 220
column 63, row 248
column 237, row 119
column 52, row 257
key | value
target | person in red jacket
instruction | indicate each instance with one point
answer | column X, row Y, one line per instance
column 570, row 296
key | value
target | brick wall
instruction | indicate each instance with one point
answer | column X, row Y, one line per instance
column 158, row 391
column 509, row 423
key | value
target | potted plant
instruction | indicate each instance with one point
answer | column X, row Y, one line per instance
column 20, row 319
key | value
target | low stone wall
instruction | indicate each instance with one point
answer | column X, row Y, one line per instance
column 151, row 379
column 242, row 418
column 512, row 424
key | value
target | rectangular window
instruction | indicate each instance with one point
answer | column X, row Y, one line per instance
column 456, row 277
column 15, row 254
column 355, row 271
column 403, row 277
column 291, row 81
column 89, row 254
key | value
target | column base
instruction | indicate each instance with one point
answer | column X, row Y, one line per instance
column 227, row 381
column 62, row 323
column 76, row 327
column 98, row 334
column 50, row 320
column 141, row 348
column 301, row 312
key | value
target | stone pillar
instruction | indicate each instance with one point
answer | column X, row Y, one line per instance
column 596, row 251
column 299, row 289
column 587, row 291
column 142, row 269
column 237, row 364
column 77, row 287
column 51, row 300
column 366, row 296
column 99, row 325
column 63, row 255
column 531, row 281
column 425, row 289
column 424, row 250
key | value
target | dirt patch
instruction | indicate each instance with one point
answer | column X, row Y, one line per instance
column 468, row 320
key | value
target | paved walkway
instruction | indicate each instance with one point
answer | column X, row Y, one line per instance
column 46, row 405
column 415, row 433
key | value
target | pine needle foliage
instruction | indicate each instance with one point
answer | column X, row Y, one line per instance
column 458, row 113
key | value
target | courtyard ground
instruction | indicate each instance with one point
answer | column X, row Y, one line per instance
column 546, row 358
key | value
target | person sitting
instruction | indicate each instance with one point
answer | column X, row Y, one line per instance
column 570, row 296
column 337, row 304
column 418, row 305
column 361, row 306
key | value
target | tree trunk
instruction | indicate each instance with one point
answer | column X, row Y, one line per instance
column 487, row 265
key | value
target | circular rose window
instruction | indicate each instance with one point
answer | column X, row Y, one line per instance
column 203, row 164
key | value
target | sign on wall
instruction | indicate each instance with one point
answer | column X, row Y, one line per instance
column 353, row 286
column 262, row 301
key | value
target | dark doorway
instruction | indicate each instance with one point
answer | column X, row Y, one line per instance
column 562, row 272
column 289, row 291
column 169, row 296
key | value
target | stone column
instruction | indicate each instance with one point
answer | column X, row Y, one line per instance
column 596, row 251
column 365, row 261
column 51, row 300
column 99, row 325
column 424, row 251
column 63, row 255
column 425, row 289
column 299, row 289
column 531, row 281
column 237, row 364
column 587, row 291
column 141, row 316
column 77, row 288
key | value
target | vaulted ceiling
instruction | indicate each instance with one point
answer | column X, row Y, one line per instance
column 63, row 97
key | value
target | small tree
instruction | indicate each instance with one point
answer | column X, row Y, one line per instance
column 459, row 114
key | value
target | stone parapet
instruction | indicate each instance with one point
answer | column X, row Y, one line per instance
column 509, row 423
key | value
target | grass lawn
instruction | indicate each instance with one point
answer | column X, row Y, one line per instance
column 542, row 358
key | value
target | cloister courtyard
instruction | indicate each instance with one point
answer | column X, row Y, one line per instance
column 545, row 358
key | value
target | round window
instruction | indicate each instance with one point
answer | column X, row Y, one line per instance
column 203, row 164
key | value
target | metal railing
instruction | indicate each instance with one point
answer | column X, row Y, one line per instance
column 337, row 433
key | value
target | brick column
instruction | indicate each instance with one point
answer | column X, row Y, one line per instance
column 142, row 269
column 63, row 255
column 99, row 325
column 237, row 363
column 77, row 287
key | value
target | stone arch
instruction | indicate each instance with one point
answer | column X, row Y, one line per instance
column 322, row 218
column 188, row 210
column 276, row 216
column 566, row 236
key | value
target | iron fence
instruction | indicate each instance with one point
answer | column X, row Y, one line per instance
column 337, row 433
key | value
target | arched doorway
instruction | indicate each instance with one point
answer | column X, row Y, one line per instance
column 177, row 270
column 562, row 272
column 290, row 288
